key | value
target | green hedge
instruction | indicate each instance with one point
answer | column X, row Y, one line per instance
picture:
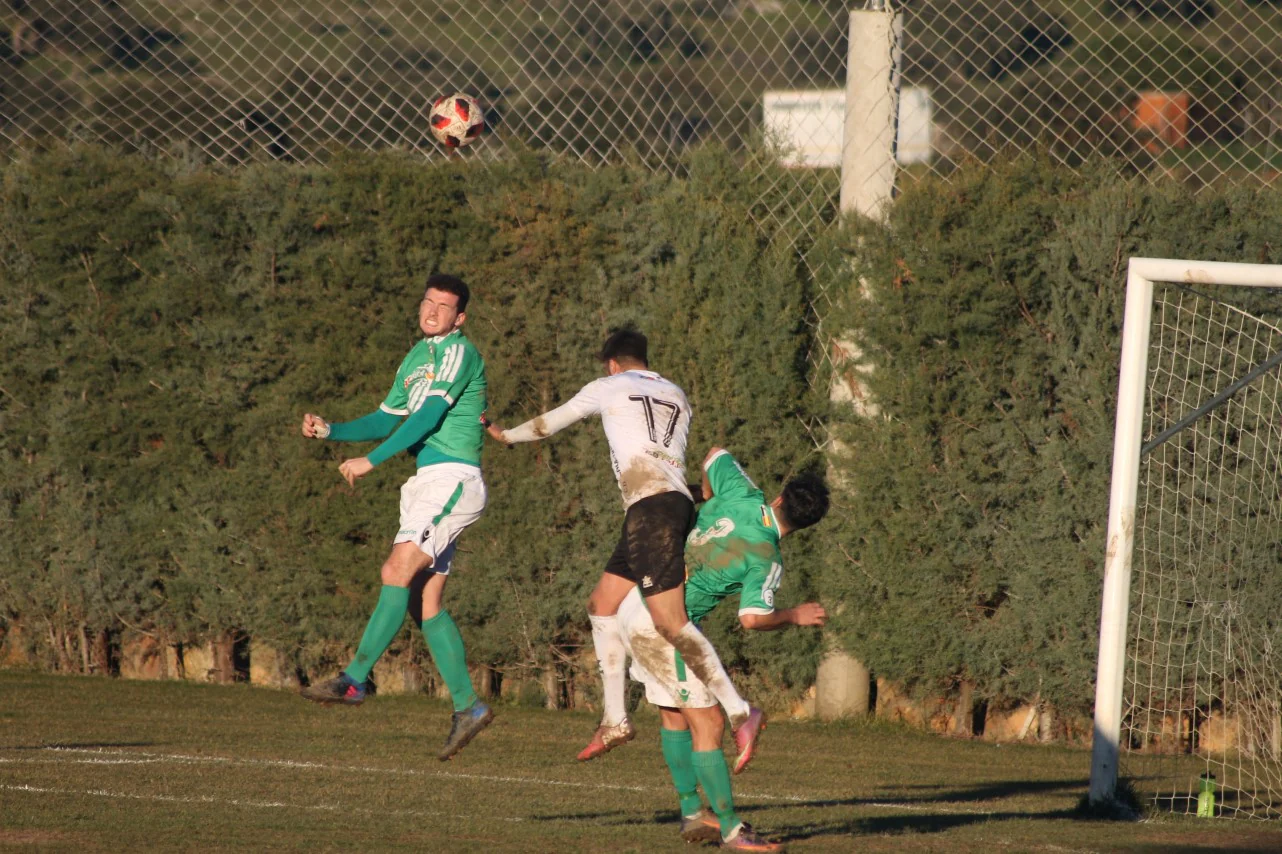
column 978, row 500
column 164, row 328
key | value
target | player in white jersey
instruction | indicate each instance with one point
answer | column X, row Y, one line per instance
column 646, row 420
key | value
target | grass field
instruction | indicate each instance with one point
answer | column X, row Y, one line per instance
column 94, row 764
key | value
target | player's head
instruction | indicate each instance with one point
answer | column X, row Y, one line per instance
column 802, row 503
column 444, row 305
column 623, row 350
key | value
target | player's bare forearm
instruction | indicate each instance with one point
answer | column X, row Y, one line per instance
column 809, row 614
column 707, row 484
column 767, row 622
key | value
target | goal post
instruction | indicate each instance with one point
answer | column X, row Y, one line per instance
column 1222, row 377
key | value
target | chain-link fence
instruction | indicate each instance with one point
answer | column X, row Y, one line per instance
column 1190, row 86
column 241, row 80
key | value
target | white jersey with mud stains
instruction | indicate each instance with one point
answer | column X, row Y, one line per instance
column 646, row 420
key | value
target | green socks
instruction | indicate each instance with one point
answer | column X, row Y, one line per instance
column 714, row 775
column 442, row 636
column 384, row 623
column 446, row 644
column 443, row 639
column 679, row 754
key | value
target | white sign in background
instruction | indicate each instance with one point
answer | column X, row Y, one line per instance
column 807, row 125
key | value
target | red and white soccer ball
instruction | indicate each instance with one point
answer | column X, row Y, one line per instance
column 456, row 120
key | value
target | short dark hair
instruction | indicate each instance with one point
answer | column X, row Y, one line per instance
column 805, row 501
column 451, row 285
column 624, row 345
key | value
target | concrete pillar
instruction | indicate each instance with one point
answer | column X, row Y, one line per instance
column 872, row 110
column 841, row 687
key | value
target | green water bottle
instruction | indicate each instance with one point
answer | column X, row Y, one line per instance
column 1206, row 797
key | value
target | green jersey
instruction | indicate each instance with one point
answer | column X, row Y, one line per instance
column 734, row 547
column 440, row 385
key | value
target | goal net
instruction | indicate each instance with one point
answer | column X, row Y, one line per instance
column 1190, row 679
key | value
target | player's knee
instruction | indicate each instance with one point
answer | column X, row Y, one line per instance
column 399, row 572
column 667, row 631
column 392, row 574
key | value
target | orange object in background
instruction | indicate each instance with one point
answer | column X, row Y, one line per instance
column 1165, row 115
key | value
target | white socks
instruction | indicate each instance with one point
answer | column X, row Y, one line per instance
column 612, row 659
column 700, row 657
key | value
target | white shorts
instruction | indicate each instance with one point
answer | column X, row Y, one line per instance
column 656, row 663
column 437, row 503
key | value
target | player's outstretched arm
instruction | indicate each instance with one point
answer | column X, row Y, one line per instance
column 809, row 614
column 379, row 424
column 583, row 404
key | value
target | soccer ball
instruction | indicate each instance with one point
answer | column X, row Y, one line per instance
column 456, row 120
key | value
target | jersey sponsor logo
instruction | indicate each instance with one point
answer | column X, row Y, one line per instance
column 417, row 383
column 721, row 528
column 422, row 372
column 664, row 458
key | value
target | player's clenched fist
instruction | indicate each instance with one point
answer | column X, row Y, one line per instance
column 315, row 427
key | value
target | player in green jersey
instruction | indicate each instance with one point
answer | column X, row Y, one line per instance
column 733, row 549
column 440, row 386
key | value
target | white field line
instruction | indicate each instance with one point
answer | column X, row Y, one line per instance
column 103, row 756
column 235, row 802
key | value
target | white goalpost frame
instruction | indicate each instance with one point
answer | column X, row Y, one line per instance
column 1127, row 439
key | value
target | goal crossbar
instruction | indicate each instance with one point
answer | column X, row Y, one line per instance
column 1142, row 273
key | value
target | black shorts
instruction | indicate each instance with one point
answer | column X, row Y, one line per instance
column 651, row 549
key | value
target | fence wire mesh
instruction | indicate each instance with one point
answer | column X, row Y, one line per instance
column 240, row 80
column 1185, row 86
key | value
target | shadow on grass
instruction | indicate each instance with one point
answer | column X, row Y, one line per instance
column 784, row 832
column 80, row 745
column 993, row 791
column 614, row 818
column 921, row 821
column 900, row 824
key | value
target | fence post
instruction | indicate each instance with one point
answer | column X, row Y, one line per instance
column 843, row 684
column 872, row 111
